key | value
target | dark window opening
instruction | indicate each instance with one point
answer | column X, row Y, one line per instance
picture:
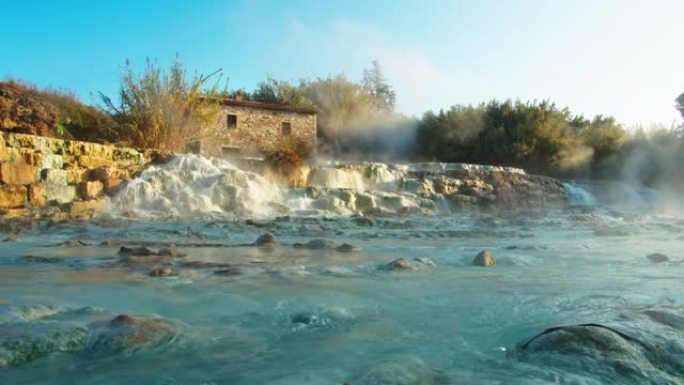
column 286, row 128
column 231, row 121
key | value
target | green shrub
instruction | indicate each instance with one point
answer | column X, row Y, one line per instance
column 538, row 136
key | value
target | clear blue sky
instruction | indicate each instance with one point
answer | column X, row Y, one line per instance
column 623, row 58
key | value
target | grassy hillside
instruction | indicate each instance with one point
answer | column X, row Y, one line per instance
column 26, row 109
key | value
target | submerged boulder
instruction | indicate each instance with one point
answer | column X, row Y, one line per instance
column 79, row 330
column 40, row 259
column 266, row 239
column 228, row 271
column 25, row 342
column 484, row 258
column 347, row 247
column 204, row 265
column 73, row 243
column 322, row 244
column 136, row 251
column 399, row 264
column 163, row 271
column 124, row 332
column 602, row 351
column 658, row 258
column 403, row 370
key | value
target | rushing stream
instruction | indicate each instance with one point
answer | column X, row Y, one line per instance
column 169, row 288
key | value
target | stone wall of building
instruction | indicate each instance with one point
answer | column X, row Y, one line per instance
column 257, row 129
column 55, row 178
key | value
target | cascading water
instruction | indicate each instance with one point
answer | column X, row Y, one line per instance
column 578, row 196
column 205, row 296
column 192, row 184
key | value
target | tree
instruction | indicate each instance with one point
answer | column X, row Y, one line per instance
column 680, row 105
column 382, row 94
column 342, row 105
column 280, row 92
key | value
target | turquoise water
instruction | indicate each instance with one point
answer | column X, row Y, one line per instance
column 287, row 315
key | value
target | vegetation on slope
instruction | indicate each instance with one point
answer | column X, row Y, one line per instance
column 168, row 109
column 25, row 109
column 164, row 110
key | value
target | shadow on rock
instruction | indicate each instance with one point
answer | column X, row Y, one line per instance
column 639, row 351
column 80, row 331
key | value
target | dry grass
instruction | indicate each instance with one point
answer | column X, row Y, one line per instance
column 163, row 109
column 292, row 155
column 80, row 121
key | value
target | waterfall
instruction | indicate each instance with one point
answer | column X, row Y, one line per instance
column 578, row 195
column 192, row 184
column 196, row 186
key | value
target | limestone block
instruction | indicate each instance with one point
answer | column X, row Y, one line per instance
column 58, row 147
column 86, row 208
column 18, row 173
column 54, row 177
column 37, row 195
column 43, row 145
column 72, row 147
column 31, row 157
column 12, row 196
column 9, row 154
column 13, row 213
column 61, row 194
column 75, row 175
column 91, row 190
column 87, row 161
column 25, row 141
column 110, row 177
column 52, row 161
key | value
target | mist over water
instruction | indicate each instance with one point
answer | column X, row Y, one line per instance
column 308, row 311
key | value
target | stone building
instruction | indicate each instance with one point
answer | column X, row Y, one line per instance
column 246, row 127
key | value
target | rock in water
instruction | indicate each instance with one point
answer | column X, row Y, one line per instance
column 124, row 332
column 21, row 343
column 267, row 239
column 399, row 264
column 658, row 258
column 228, row 271
column 73, row 243
column 41, row 259
column 136, row 251
column 485, row 258
column 347, row 247
column 166, row 252
column 78, row 330
column 602, row 351
column 163, row 271
column 425, row 261
column 318, row 244
column 406, row 370
column 321, row 244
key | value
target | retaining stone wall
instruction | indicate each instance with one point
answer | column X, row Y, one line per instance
column 46, row 177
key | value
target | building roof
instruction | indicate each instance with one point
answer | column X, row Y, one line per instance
column 266, row 106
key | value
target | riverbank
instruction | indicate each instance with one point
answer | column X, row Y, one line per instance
column 52, row 179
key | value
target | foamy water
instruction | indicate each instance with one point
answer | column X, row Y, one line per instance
column 319, row 313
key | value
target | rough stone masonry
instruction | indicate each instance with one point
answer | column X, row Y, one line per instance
column 55, row 178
